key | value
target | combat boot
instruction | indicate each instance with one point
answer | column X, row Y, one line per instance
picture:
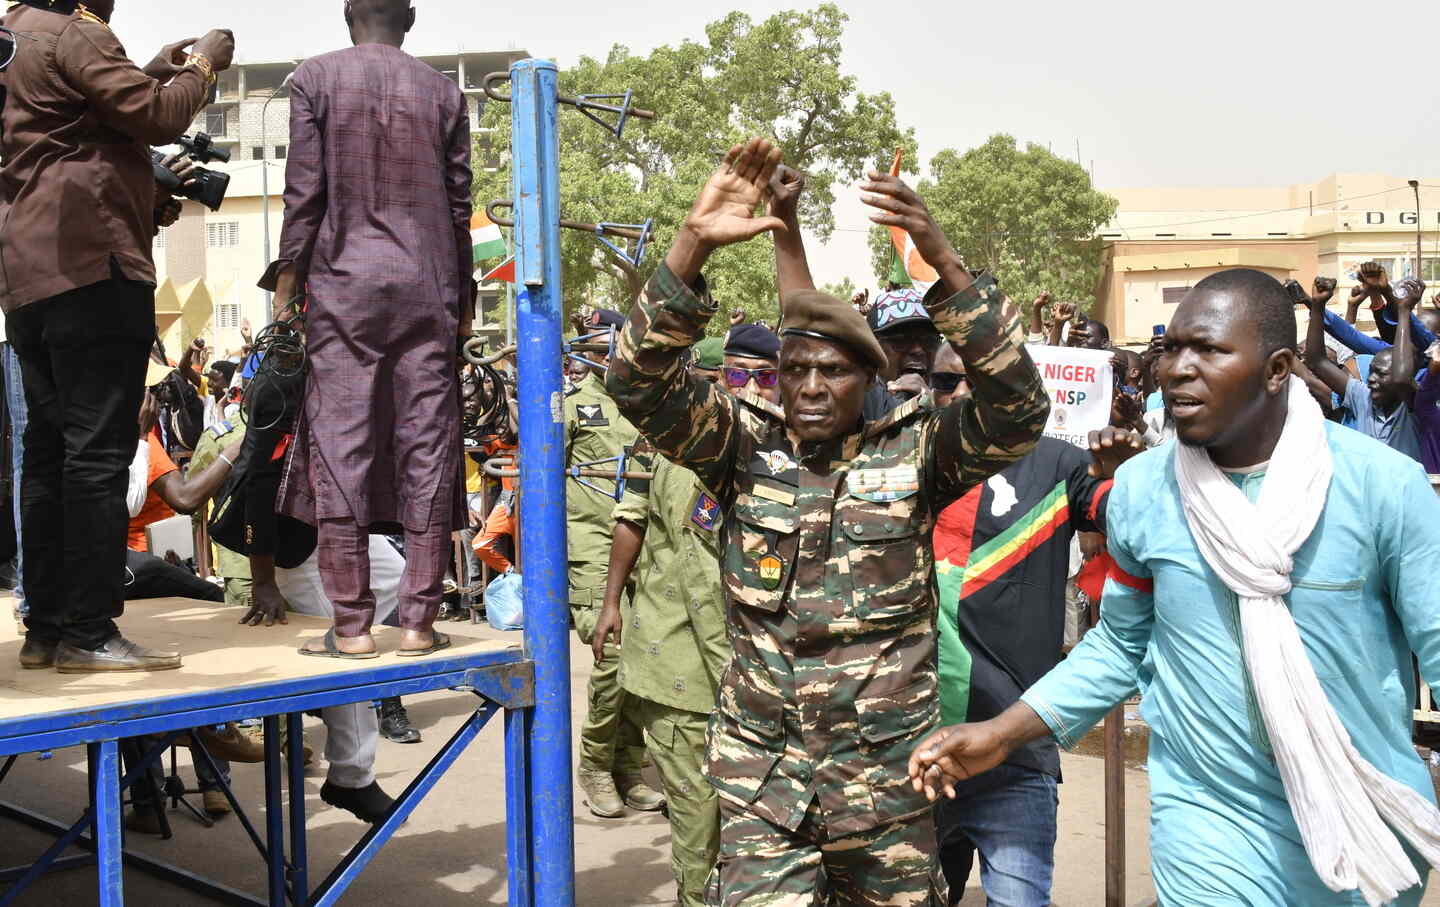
column 600, row 794
column 639, row 795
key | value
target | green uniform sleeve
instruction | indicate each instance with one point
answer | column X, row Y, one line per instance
column 1003, row 417
column 685, row 418
column 634, row 507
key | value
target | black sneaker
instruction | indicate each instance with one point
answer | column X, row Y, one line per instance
column 369, row 804
column 395, row 722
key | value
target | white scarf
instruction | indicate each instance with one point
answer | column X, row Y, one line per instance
column 1341, row 803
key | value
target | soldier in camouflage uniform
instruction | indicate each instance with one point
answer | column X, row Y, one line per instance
column 826, row 554
column 612, row 748
column 673, row 647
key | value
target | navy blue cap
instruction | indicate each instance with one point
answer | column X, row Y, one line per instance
column 753, row 341
column 607, row 318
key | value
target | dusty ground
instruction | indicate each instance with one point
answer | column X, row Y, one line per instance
column 452, row 849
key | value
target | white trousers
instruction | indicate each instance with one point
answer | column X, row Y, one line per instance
column 352, row 731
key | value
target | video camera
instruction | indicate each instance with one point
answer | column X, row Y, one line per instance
column 208, row 186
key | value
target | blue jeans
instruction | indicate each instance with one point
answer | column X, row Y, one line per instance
column 1008, row 815
column 19, row 415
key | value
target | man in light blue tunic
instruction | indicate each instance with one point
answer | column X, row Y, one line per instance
column 1364, row 594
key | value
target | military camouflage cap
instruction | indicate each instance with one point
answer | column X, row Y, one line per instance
column 811, row 313
column 709, row 353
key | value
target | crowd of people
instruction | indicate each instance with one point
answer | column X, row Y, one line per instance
column 831, row 592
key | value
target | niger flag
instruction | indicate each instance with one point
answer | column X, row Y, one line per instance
column 922, row 276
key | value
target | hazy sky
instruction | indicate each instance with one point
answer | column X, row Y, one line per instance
column 1217, row 93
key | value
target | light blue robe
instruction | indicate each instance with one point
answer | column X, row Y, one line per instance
column 1367, row 594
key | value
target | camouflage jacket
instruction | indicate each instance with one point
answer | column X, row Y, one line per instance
column 594, row 431
column 827, row 560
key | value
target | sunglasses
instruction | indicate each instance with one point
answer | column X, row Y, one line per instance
column 946, row 382
column 739, row 377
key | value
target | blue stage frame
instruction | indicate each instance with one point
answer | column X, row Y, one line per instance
column 538, row 321
column 501, row 679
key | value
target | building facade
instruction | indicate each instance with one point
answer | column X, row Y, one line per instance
column 229, row 249
column 1163, row 241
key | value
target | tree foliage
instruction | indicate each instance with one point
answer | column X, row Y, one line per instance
column 1028, row 216
column 780, row 78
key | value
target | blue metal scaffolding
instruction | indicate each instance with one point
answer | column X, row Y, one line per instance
column 533, row 687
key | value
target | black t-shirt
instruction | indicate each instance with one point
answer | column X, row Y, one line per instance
column 1002, row 555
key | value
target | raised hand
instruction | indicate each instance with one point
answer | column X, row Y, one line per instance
column 1408, row 292
column 901, row 207
column 169, row 60
column 786, row 187
column 1064, row 311
column 1110, row 447
column 1042, row 300
column 1323, row 289
column 724, row 212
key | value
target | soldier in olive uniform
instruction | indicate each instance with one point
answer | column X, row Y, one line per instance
column 612, row 749
column 673, row 647
column 825, row 551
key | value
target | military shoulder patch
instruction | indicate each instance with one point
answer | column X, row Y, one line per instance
column 591, row 414
column 923, row 403
column 894, row 483
column 706, row 511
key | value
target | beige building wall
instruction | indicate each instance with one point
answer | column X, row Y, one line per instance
column 1171, row 238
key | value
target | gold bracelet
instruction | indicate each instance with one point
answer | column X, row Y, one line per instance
column 202, row 63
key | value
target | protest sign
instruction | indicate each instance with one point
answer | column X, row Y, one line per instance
column 1079, row 382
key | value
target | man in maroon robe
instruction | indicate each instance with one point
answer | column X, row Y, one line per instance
column 377, row 237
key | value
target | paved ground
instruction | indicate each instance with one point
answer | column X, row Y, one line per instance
column 452, row 850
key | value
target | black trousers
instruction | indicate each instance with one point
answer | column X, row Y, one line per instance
column 153, row 577
column 83, row 356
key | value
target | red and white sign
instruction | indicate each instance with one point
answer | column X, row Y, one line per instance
column 1080, row 383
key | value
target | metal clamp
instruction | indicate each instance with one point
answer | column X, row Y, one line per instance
column 584, row 103
column 640, row 233
column 473, row 349
column 504, row 468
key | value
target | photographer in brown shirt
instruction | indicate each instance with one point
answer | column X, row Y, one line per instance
column 78, row 213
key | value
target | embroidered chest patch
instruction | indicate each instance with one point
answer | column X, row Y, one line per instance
column 706, row 512
column 770, row 568
column 777, row 461
column 893, row 483
column 591, row 414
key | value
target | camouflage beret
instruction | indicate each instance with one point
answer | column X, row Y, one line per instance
column 811, row 313
column 709, row 353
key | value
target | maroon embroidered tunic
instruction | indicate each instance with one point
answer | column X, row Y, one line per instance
column 377, row 218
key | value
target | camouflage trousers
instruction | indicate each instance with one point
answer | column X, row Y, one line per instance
column 610, row 738
column 675, row 739
column 764, row 865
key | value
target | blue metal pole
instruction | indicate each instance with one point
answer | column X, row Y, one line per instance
column 539, row 316
column 104, row 760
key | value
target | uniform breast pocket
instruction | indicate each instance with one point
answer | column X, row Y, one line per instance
column 883, row 552
column 759, row 563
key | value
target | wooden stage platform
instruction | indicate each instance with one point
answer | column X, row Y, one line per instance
column 219, row 654
column 233, row 672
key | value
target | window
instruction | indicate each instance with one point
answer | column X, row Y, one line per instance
column 227, row 316
column 1173, row 295
column 279, row 152
column 1219, row 234
column 215, row 121
column 222, row 234
column 257, row 153
column 1431, row 269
